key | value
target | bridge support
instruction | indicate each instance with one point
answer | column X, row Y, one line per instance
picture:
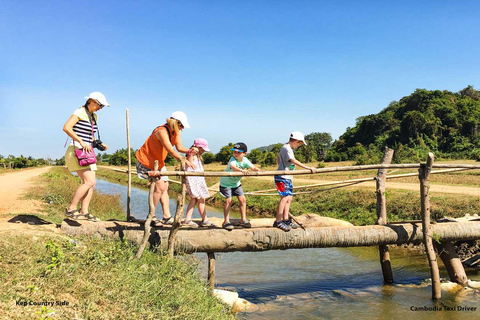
column 211, row 271
column 452, row 262
column 382, row 216
column 424, row 176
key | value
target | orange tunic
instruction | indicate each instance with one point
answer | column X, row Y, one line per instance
column 153, row 149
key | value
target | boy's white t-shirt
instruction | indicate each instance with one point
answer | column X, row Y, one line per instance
column 286, row 153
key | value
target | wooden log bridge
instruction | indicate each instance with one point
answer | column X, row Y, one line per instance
column 269, row 238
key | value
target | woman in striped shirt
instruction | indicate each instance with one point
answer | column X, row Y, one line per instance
column 79, row 127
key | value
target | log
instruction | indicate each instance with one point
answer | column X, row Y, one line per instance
column 452, row 262
column 384, row 255
column 129, row 171
column 211, row 271
column 260, row 239
column 424, row 176
column 178, row 213
column 151, row 215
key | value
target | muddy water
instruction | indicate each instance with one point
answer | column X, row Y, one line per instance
column 331, row 283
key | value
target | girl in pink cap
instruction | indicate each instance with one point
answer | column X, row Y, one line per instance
column 196, row 186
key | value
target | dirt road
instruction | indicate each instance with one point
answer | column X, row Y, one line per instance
column 13, row 185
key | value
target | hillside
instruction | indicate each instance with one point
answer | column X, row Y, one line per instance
column 443, row 122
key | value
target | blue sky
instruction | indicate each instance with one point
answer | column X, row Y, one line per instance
column 250, row 71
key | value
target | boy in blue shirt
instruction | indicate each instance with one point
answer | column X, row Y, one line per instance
column 231, row 186
column 286, row 161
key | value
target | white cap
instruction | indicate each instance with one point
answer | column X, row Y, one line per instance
column 182, row 117
column 99, row 97
column 297, row 135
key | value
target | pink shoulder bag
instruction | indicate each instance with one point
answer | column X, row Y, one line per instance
column 86, row 158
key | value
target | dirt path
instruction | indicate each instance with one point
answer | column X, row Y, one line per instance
column 13, row 186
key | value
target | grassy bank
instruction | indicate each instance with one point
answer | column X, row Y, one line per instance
column 88, row 278
column 356, row 205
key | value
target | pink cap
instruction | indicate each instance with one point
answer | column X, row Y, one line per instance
column 201, row 143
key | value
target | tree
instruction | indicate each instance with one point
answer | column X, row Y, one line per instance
column 256, row 156
column 225, row 153
column 208, row 157
column 319, row 142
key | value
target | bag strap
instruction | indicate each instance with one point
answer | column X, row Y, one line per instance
column 92, row 120
column 163, row 125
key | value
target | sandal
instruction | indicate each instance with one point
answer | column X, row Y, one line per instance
column 91, row 217
column 245, row 224
column 189, row 223
column 281, row 225
column 227, row 226
column 74, row 215
column 207, row 223
column 167, row 221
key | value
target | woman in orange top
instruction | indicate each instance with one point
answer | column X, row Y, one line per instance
column 157, row 146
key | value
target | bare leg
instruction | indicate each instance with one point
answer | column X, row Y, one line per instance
column 243, row 207
column 286, row 209
column 226, row 209
column 161, row 194
column 201, row 209
column 191, row 206
column 85, row 191
column 283, row 205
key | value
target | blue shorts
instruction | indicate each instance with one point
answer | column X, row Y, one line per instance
column 229, row 192
column 284, row 186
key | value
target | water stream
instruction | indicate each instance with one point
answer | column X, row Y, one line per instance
column 331, row 283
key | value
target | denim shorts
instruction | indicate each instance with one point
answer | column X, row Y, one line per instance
column 229, row 192
column 284, row 186
column 142, row 172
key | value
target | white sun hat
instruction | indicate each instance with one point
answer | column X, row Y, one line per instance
column 99, row 97
column 182, row 117
column 297, row 135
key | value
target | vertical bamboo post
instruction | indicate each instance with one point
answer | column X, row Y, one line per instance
column 424, row 176
column 452, row 262
column 129, row 187
column 382, row 215
column 211, row 271
column 151, row 214
column 178, row 213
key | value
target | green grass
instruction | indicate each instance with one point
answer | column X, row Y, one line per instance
column 57, row 189
column 99, row 278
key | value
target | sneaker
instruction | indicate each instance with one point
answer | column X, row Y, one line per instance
column 227, row 226
column 207, row 223
column 245, row 224
column 190, row 224
column 290, row 223
column 282, row 225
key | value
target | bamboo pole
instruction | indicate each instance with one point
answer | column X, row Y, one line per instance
column 129, row 187
column 300, row 172
column 424, row 176
column 382, row 216
column 151, row 214
column 211, row 271
column 178, row 213
column 452, row 262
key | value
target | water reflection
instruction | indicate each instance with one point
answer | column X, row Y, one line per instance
column 330, row 283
